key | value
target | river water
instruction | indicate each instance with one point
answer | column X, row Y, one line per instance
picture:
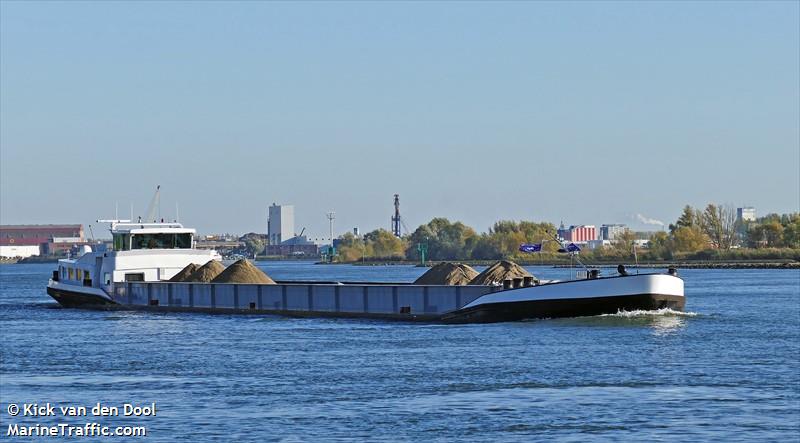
column 728, row 369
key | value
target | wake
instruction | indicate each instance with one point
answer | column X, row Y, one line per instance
column 639, row 313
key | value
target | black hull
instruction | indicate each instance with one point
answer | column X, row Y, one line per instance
column 558, row 308
column 73, row 299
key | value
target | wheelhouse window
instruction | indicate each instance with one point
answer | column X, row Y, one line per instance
column 161, row 241
column 122, row 242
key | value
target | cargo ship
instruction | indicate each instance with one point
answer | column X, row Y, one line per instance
column 135, row 274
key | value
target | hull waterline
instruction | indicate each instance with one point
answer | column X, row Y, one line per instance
column 559, row 308
column 76, row 299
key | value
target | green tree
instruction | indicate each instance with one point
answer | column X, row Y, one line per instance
column 623, row 243
column 253, row 243
column 791, row 231
column 445, row 240
column 687, row 219
column 773, row 234
column 486, row 247
column 505, row 237
column 660, row 247
column 688, row 239
column 384, row 244
column 350, row 248
column 719, row 224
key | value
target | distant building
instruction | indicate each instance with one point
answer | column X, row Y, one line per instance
column 611, row 232
column 280, row 224
column 748, row 213
column 28, row 240
column 594, row 244
column 578, row 234
column 22, row 251
column 298, row 245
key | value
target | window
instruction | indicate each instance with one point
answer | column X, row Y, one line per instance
column 78, row 274
column 69, row 271
column 161, row 241
column 122, row 242
column 135, row 277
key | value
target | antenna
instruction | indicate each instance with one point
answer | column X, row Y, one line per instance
column 116, row 210
column 155, row 205
column 331, row 217
column 177, row 213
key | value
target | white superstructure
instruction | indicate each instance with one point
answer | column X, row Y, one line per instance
column 142, row 252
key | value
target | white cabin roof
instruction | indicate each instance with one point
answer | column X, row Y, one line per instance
column 150, row 228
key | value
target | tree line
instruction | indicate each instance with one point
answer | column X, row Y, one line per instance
column 696, row 232
column 716, row 228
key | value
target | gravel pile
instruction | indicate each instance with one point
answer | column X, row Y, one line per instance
column 447, row 274
column 502, row 270
column 243, row 272
column 207, row 272
column 184, row 273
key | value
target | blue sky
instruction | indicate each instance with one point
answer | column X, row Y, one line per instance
column 585, row 112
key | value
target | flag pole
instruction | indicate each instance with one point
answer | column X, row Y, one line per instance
column 571, row 254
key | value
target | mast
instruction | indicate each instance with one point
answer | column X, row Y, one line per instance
column 155, row 206
column 396, row 217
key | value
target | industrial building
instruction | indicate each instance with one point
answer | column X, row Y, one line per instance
column 281, row 236
column 612, row 231
column 280, row 223
column 578, row 234
column 296, row 246
column 28, row 240
column 745, row 214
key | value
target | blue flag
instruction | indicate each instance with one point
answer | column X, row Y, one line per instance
column 525, row 247
column 572, row 247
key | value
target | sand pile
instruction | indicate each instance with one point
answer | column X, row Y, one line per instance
column 207, row 272
column 243, row 272
column 184, row 273
column 502, row 270
column 447, row 274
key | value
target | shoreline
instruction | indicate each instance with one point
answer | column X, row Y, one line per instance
column 700, row 264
